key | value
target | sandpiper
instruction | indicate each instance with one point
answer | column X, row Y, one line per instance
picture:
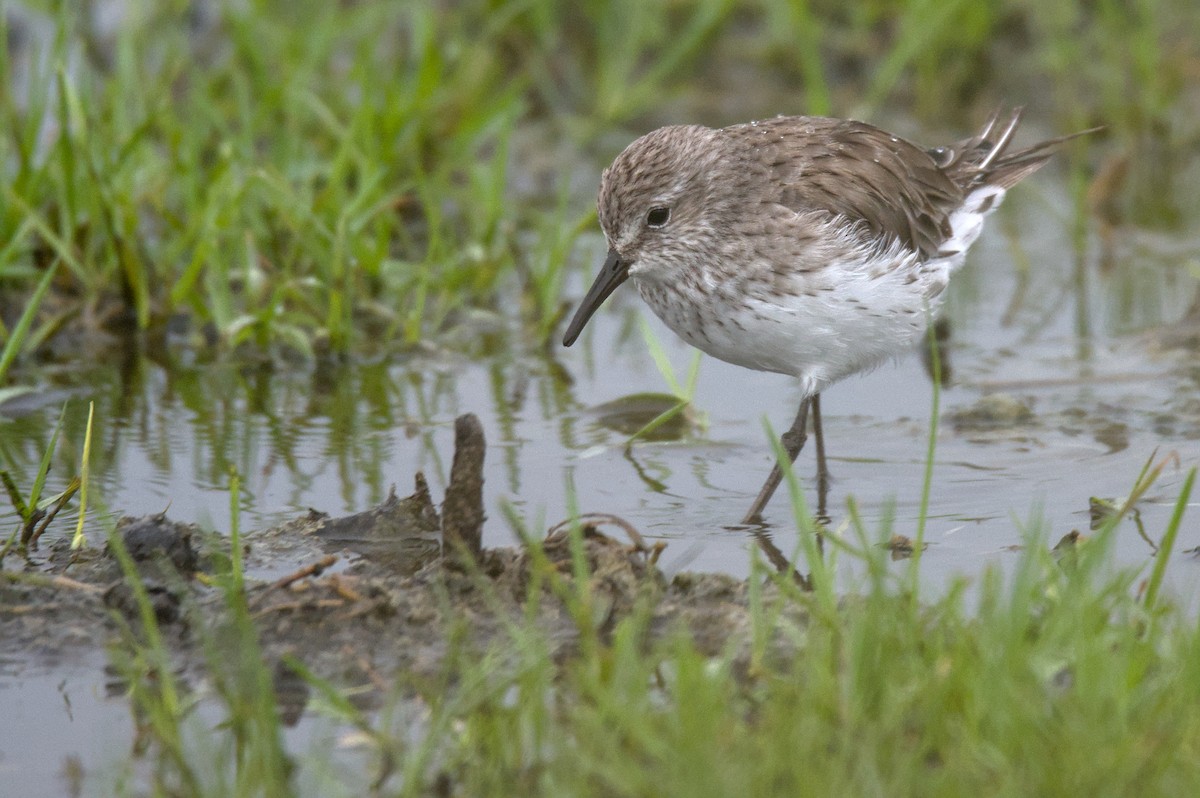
column 807, row 246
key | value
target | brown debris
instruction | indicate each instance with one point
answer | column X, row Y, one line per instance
column 399, row 534
column 902, row 547
column 312, row 569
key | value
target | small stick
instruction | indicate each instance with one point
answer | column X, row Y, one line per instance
column 313, row 569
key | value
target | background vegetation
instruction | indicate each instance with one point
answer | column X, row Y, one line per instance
column 324, row 177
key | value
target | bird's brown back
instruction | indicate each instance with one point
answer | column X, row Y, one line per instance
column 897, row 189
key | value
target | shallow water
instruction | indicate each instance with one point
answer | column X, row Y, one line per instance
column 1080, row 347
column 56, row 719
column 67, row 731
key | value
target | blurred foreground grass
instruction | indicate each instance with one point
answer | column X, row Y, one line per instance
column 344, row 177
column 1063, row 678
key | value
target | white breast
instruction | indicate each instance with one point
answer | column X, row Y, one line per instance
column 848, row 317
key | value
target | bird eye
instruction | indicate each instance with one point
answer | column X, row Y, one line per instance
column 657, row 217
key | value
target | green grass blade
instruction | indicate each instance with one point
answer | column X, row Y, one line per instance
column 1165, row 548
column 17, row 337
column 39, row 481
column 79, row 541
column 659, row 354
column 930, row 450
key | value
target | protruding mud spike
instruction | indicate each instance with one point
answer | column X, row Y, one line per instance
column 462, row 511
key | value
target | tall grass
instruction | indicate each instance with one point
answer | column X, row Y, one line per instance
column 310, row 163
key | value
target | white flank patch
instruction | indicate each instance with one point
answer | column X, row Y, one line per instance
column 966, row 223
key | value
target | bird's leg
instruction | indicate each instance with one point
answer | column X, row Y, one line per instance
column 822, row 468
column 792, row 442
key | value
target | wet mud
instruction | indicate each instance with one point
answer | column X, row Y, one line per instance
column 374, row 599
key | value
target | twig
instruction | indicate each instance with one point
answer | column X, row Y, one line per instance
column 313, row 569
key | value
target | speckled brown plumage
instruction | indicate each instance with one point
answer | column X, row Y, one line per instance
column 808, row 246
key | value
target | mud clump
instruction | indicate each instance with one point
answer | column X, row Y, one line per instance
column 399, row 535
column 156, row 539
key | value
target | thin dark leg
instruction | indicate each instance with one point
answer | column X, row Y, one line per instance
column 822, row 468
column 792, row 441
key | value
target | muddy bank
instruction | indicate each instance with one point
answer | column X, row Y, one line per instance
column 370, row 599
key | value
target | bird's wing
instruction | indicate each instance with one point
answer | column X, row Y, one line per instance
column 861, row 173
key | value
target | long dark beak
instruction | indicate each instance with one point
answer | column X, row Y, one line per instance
column 611, row 275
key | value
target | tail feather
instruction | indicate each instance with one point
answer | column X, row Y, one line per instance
column 981, row 160
column 984, row 169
